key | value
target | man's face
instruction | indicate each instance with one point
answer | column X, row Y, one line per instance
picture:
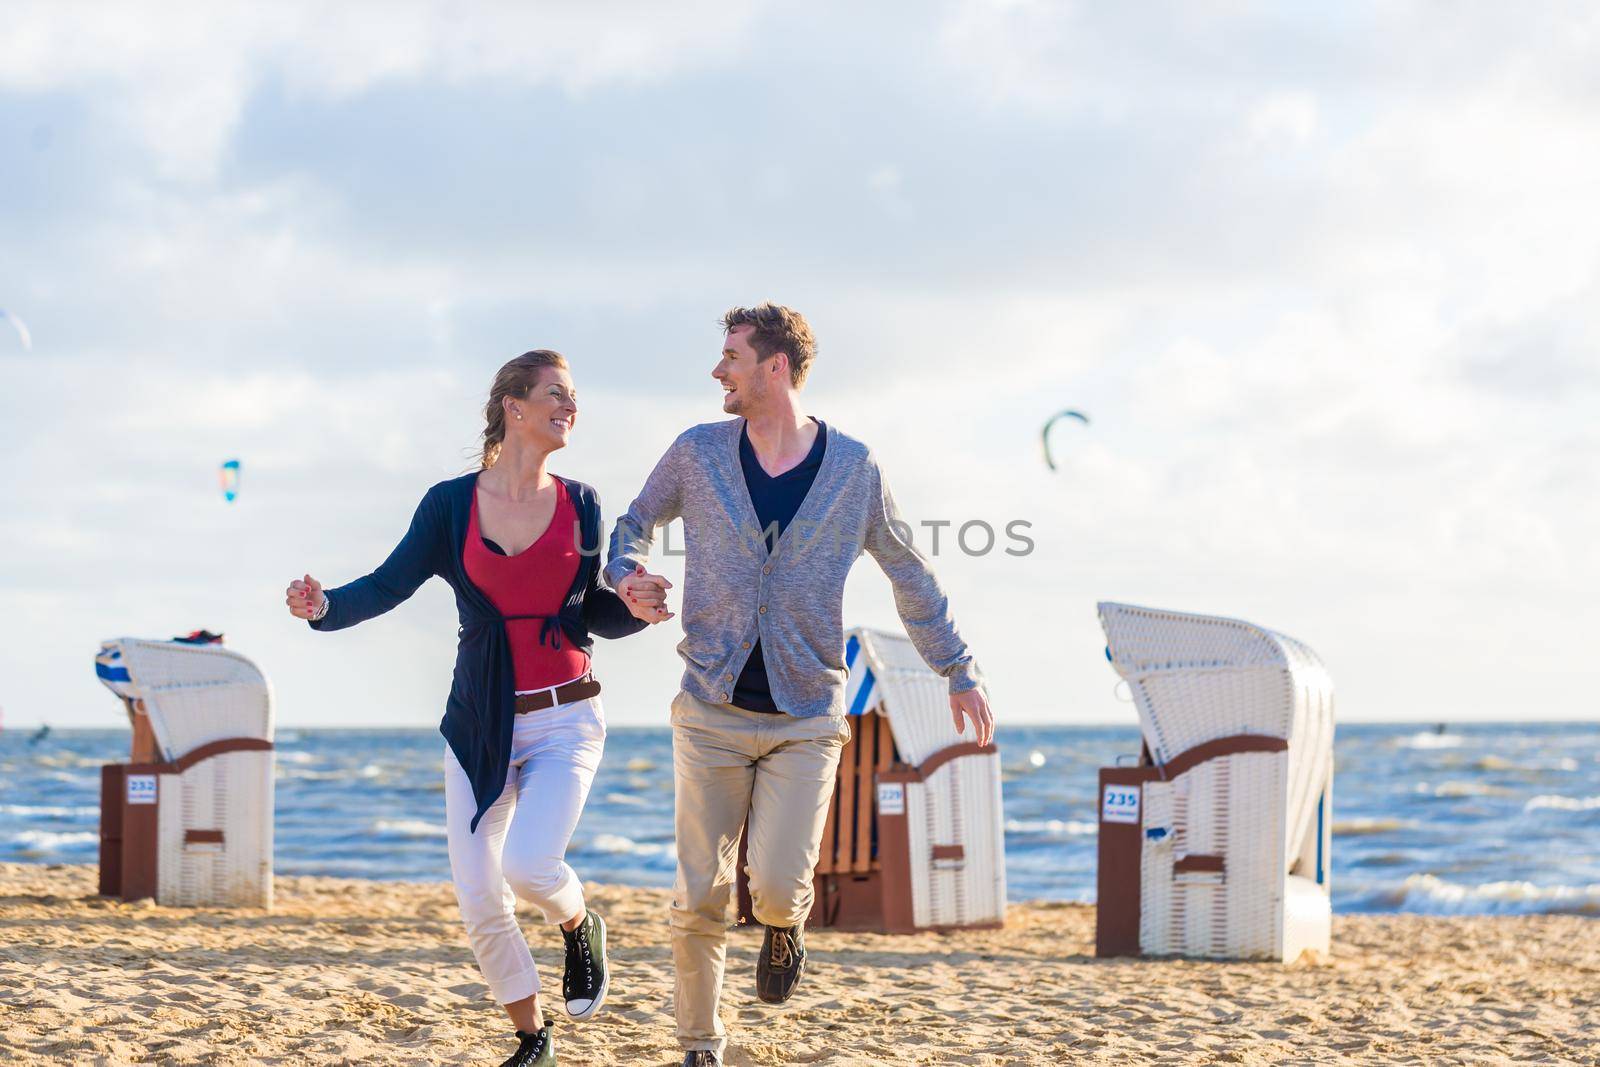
column 745, row 379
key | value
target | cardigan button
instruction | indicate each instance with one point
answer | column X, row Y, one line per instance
column 745, row 645
column 766, row 570
column 763, row 609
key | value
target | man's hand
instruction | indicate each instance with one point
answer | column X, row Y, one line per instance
column 646, row 595
column 304, row 597
column 973, row 705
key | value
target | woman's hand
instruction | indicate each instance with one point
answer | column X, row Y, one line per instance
column 304, row 597
column 646, row 595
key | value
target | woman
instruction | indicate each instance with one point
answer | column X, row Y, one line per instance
column 523, row 723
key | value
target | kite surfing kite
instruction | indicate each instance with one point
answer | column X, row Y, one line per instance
column 1044, row 435
column 228, row 475
column 22, row 330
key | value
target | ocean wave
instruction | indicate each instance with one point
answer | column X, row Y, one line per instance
column 1053, row 827
column 51, row 841
column 1462, row 789
column 408, row 828
column 1434, row 896
column 618, row 844
column 1500, row 763
column 296, row 757
column 1430, row 739
column 628, row 799
column 1560, row 803
column 66, row 813
column 1359, row 827
column 370, row 770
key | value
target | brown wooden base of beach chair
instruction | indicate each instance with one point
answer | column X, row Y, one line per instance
column 130, row 846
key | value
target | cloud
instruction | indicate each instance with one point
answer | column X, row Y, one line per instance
column 178, row 76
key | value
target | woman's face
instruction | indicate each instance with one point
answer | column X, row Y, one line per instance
column 548, row 413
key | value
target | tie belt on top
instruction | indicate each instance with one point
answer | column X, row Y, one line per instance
column 580, row 689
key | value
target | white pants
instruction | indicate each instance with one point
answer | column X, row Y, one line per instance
column 520, row 845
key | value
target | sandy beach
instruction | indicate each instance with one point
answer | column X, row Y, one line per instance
column 348, row 971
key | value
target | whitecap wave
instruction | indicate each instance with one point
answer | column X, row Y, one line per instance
column 370, row 770
column 1556, row 802
column 60, row 812
column 1429, row 739
column 1462, row 789
column 408, row 828
column 51, row 841
column 1431, row 895
column 618, row 844
column 1052, row 827
column 1537, row 766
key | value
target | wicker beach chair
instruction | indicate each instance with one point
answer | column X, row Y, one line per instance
column 1218, row 843
column 915, row 835
column 189, row 820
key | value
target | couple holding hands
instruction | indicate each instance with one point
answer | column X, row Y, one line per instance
column 776, row 507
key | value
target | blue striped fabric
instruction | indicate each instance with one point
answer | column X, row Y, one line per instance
column 859, row 684
column 111, row 674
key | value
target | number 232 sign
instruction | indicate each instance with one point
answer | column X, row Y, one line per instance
column 1120, row 803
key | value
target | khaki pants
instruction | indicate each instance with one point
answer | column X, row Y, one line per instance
column 730, row 764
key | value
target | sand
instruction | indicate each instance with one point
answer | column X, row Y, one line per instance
column 347, row 971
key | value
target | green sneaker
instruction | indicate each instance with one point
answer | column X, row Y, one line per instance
column 538, row 1049
column 586, row 979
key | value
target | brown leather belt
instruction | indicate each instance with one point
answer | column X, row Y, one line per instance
column 582, row 689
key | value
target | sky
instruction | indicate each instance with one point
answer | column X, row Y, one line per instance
column 1324, row 278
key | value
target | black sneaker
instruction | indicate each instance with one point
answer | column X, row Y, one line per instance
column 586, row 979
column 781, row 963
column 702, row 1057
column 538, row 1049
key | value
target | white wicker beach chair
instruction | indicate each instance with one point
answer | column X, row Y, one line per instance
column 915, row 837
column 1218, row 844
column 194, row 826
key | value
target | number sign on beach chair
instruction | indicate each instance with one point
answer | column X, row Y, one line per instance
column 189, row 820
column 914, row 837
column 1218, row 843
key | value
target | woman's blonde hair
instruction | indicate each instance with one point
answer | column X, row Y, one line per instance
column 516, row 379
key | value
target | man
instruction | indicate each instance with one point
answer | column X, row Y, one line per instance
column 776, row 507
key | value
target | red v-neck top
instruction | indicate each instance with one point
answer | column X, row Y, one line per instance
column 533, row 582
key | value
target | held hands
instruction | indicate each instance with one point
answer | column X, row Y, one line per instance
column 646, row 595
column 974, row 706
column 304, row 597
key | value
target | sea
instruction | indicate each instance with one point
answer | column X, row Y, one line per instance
column 1482, row 819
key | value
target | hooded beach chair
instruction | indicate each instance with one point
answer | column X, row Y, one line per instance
column 915, row 836
column 1217, row 844
column 189, row 820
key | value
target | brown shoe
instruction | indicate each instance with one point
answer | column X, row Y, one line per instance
column 782, row 962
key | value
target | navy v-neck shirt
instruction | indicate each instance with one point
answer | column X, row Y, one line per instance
column 776, row 500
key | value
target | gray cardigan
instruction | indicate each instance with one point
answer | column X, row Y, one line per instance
column 793, row 600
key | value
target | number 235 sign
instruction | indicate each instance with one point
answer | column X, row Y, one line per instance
column 1120, row 803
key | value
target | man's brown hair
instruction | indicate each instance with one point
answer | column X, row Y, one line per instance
column 777, row 329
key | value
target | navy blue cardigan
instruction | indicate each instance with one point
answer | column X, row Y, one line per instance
column 480, row 712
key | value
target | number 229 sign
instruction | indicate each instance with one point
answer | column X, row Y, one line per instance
column 1120, row 803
